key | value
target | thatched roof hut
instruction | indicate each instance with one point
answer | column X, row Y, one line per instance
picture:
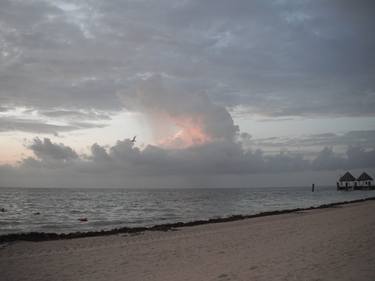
column 365, row 177
column 347, row 177
column 348, row 182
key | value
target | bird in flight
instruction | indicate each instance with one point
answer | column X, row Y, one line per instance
column 133, row 140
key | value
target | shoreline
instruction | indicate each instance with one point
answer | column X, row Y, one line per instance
column 335, row 242
column 49, row 236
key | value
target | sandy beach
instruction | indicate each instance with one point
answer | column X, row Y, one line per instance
column 324, row 244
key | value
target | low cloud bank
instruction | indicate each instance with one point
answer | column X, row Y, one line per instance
column 125, row 164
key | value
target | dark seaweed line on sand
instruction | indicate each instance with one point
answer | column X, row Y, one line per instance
column 45, row 236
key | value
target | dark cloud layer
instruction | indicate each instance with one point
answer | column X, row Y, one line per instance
column 273, row 57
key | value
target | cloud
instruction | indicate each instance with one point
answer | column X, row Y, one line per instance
column 166, row 105
column 277, row 58
column 328, row 160
column 8, row 124
column 187, row 67
column 361, row 138
column 33, row 126
column 46, row 150
column 356, row 157
column 125, row 160
column 359, row 157
column 219, row 157
column 75, row 114
column 214, row 163
column 48, row 154
column 98, row 153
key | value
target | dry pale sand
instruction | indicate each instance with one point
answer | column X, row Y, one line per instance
column 325, row 244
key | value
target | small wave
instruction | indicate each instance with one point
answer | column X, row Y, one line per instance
column 76, row 212
column 10, row 222
column 105, row 223
column 55, row 226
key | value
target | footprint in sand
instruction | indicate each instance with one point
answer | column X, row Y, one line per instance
column 224, row 277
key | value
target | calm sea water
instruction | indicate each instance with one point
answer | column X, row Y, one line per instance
column 58, row 210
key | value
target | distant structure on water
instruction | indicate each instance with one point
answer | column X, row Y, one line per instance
column 349, row 182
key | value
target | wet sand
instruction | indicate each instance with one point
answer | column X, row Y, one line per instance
column 335, row 243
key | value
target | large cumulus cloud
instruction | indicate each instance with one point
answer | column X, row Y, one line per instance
column 163, row 100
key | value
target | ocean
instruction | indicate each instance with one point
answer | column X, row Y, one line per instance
column 59, row 210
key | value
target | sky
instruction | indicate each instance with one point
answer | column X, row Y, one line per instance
column 218, row 93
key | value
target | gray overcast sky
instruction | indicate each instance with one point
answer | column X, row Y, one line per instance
column 217, row 92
